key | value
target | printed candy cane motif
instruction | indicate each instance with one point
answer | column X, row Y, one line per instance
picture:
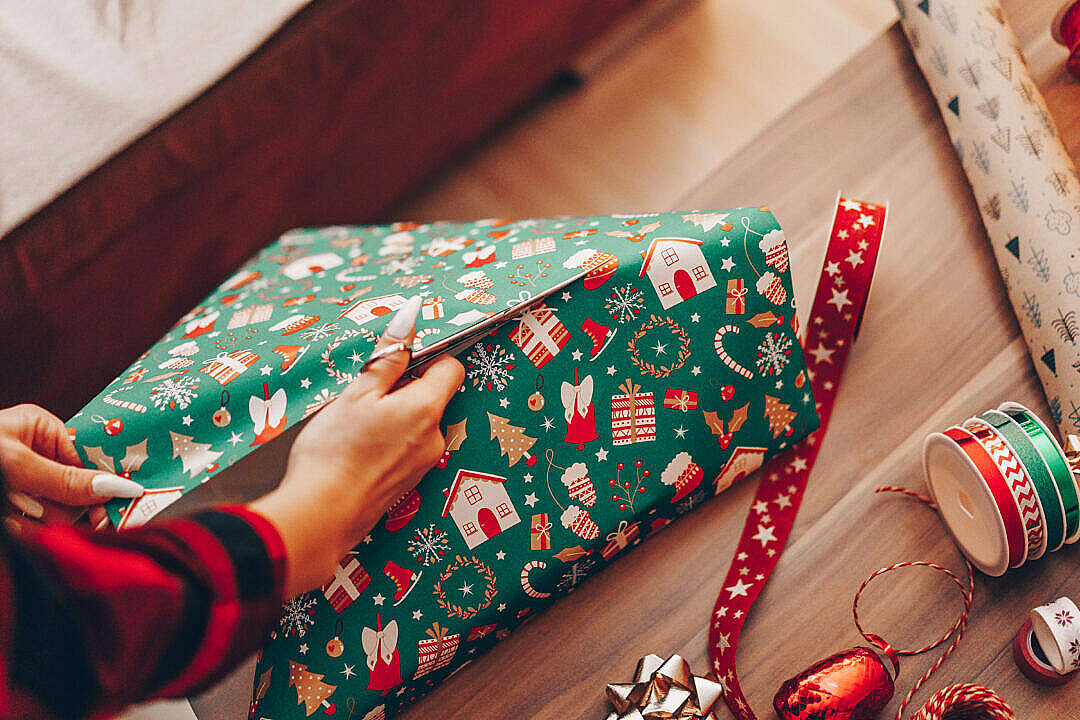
column 127, row 405
column 420, row 335
column 525, row 579
column 718, row 343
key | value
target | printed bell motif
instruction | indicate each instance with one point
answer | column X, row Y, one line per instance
column 579, row 412
column 383, row 661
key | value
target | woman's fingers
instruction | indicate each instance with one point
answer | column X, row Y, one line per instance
column 440, row 381
column 98, row 517
column 41, row 431
column 381, row 374
column 34, row 475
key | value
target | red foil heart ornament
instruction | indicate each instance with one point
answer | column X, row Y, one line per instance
column 855, row 684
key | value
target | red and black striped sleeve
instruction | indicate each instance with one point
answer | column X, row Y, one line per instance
column 90, row 623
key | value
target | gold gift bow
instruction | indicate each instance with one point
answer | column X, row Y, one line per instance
column 543, row 530
column 620, row 533
column 682, row 402
column 630, row 389
column 737, row 293
column 664, row 689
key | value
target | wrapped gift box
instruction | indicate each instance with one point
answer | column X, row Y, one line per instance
column 571, row 330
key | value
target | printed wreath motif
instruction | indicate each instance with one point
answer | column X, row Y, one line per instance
column 454, row 610
column 648, row 368
column 343, row 378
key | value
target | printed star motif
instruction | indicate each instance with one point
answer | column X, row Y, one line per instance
column 187, row 420
column 855, row 258
column 417, row 615
column 723, row 643
column 822, row 354
column 863, row 244
column 695, row 317
column 501, row 555
column 832, row 268
column 727, row 264
column 866, row 220
column 738, row 589
column 839, row 299
column 764, row 534
column 348, row 672
column 236, row 438
column 527, row 477
column 798, row 464
column 378, row 599
column 548, row 423
column 355, row 357
column 842, row 234
column 783, row 501
column 601, row 454
column 761, row 507
column 611, row 370
column 502, row 606
column 566, row 296
column 466, row 589
column 503, row 402
column 303, row 649
column 721, row 612
column 265, row 370
column 659, row 347
column 695, row 370
column 305, row 383
column 680, row 432
column 741, row 556
column 500, row 265
column 851, row 205
column 367, row 540
column 530, row 499
column 576, row 354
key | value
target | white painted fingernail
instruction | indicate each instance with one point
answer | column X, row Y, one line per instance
column 103, row 524
column 110, row 486
column 404, row 319
column 27, row 505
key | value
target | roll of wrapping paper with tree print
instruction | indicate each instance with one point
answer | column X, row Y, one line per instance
column 1023, row 180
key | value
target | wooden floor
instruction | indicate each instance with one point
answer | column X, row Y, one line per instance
column 662, row 128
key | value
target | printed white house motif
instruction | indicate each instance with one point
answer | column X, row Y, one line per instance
column 677, row 269
column 153, row 501
column 363, row 311
column 480, row 506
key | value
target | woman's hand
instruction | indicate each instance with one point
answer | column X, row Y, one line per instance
column 43, row 475
column 358, row 455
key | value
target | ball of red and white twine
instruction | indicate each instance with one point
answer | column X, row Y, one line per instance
column 965, row 701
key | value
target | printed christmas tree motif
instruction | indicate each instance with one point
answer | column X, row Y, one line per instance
column 1048, row 359
column 626, row 493
column 990, row 107
column 716, row 425
column 773, row 354
column 455, row 435
column 1002, row 138
column 980, row 157
column 513, row 442
column 488, row 367
column 1013, row 246
column 1059, row 182
column 311, row 691
column 971, row 73
column 1039, row 264
column 1030, row 308
column 1031, row 142
column 1018, row 195
column 1003, row 64
column 779, row 415
column 625, row 303
column 1065, row 324
column 134, row 457
column 174, row 394
column 194, row 456
column 297, row 615
column 939, row 60
column 1055, row 410
column 946, row 15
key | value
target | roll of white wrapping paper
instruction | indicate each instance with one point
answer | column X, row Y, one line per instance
column 1024, row 182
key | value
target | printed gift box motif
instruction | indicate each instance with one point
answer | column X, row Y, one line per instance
column 557, row 321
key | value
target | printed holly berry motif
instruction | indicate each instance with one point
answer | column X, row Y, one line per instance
column 522, row 276
column 311, row 691
column 625, row 492
column 489, row 367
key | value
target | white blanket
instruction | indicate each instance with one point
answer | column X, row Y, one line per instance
column 81, row 79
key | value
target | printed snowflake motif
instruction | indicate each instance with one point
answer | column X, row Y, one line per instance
column 575, row 574
column 429, row 545
column 488, row 366
column 297, row 615
column 773, row 354
column 403, row 265
column 625, row 303
column 1063, row 618
column 173, row 394
column 320, row 332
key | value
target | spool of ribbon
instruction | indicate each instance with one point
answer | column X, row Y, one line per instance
column 664, row 689
column 1031, row 660
column 1005, row 488
column 1057, row 628
column 1066, row 30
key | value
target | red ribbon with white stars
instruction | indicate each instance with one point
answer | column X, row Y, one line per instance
column 841, row 296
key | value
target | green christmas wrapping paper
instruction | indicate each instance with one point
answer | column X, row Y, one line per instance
column 619, row 370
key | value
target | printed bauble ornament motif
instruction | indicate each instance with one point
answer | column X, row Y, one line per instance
column 851, row 685
column 111, row 426
column 402, row 511
column 334, row 646
column 536, row 400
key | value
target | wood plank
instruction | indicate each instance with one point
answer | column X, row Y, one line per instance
column 939, row 344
